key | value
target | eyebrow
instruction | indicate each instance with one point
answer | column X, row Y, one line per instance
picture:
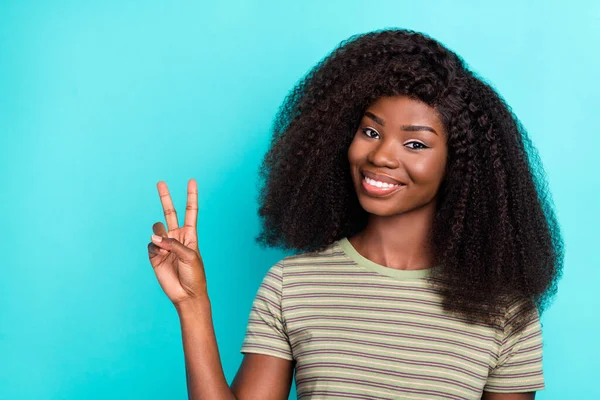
column 407, row 128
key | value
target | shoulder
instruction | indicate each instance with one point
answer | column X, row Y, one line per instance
column 331, row 261
column 311, row 258
column 521, row 328
column 519, row 314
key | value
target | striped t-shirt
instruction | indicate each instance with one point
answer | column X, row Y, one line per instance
column 359, row 330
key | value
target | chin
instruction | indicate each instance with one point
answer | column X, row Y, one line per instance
column 381, row 209
column 389, row 208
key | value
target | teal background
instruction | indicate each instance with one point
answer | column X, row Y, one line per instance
column 99, row 100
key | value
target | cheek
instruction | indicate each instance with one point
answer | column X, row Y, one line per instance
column 354, row 153
column 429, row 170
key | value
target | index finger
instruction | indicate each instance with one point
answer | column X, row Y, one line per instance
column 191, row 208
column 167, row 204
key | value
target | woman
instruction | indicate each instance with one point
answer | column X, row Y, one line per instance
column 426, row 242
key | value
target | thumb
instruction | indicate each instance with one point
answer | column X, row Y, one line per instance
column 184, row 253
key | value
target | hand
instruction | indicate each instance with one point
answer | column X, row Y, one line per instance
column 174, row 254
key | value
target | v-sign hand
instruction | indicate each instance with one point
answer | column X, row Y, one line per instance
column 174, row 253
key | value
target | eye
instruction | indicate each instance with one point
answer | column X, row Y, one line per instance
column 418, row 145
column 369, row 132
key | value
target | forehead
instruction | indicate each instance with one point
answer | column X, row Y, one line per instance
column 403, row 110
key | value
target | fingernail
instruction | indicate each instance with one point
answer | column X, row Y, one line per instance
column 156, row 238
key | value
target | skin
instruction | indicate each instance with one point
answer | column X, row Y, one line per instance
column 178, row 266
column 405, row 140
column 399, row 137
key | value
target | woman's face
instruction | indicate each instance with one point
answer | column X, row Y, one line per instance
column 398, row 156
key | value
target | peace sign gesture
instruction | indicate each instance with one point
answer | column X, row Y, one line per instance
column 174, row 253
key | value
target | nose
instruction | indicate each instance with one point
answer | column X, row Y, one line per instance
column 384, row 155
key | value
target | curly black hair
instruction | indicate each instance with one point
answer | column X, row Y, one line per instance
column 495, row 230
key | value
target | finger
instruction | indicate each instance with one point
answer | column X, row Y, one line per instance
column 167, row 205
column 154, row 250
column 159, row 229
column 191, row 208
column 184, row 253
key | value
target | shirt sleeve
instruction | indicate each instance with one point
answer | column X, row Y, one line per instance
column 266, row 331
column 519, row 365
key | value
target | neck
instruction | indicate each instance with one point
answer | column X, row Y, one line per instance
column 400, row 241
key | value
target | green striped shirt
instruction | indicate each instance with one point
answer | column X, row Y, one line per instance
column 358, row 330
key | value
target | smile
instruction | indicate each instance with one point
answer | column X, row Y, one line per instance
column 377, row 188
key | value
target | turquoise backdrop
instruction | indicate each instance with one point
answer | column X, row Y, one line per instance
column 99, row 100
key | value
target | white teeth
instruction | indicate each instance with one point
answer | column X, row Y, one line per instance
column 373, row 182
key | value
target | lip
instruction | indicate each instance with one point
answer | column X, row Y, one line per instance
column 377, row 191
column 381, row 178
